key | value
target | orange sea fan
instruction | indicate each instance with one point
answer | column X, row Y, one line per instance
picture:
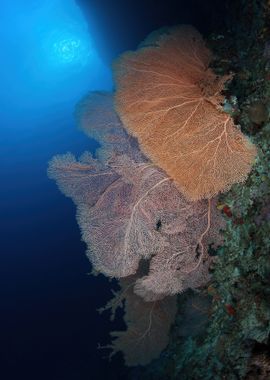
column 168, row 97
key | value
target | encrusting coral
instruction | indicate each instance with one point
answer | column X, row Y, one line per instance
column 169, row 98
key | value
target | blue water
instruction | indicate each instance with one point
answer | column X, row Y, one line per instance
column 49, row 326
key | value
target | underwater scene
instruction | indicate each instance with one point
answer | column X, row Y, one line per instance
column 135, row 190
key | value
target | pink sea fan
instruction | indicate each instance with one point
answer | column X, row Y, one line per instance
column 130, row 210
column 96, row 116
column 184, row 263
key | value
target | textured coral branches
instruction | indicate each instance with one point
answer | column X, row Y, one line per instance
column 129, row 209
column 169, row 98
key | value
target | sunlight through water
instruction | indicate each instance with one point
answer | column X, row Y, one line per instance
column 53, row 57
column 65, row 49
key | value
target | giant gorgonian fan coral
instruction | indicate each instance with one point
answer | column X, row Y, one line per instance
column 130, row 210
column 169, row 98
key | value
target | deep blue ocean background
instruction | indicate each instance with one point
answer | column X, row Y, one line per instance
column 49, row 326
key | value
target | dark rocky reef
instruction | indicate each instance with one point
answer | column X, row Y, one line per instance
column 234, row 343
